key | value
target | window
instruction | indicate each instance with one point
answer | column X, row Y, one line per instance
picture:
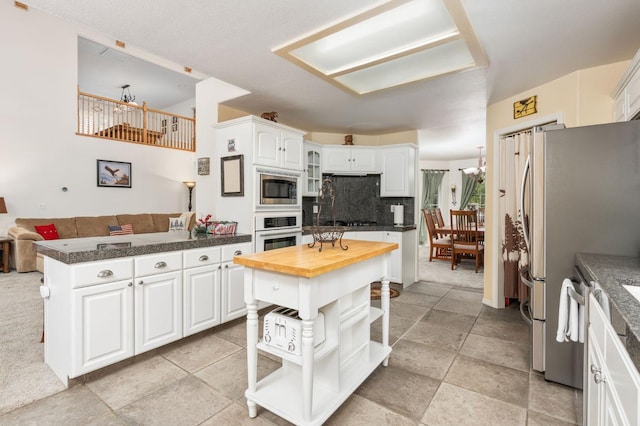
column 477, row 199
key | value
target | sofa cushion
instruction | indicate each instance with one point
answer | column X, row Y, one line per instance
column 95, row 226
column 48, row 232
column 161, row 220
column 142, row 223
column 66, row 227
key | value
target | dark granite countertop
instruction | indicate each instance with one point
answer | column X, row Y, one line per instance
column 78, row 250
column 390, row 228
column 611, row 272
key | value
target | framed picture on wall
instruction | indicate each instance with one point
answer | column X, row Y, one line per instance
column 203, row 165
column 232, row 173
column 114, row 174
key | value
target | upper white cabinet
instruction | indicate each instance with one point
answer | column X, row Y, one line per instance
column 343, row 159
column 275, row 146
column 626, row 95
column 398, row 166
column 312, row 169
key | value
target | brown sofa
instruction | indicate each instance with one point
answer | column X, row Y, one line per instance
column 24, row 257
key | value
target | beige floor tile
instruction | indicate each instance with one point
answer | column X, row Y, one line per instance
column 235, row 414
column 229, row 375
column 435, row 336
column 505, row 384
column 195, row 354
column 454, row 406
column 74, row 407
column 467, row 295
column 399, row 390
column 451, row 320
column 459, row 306
column 432, row 289
column 186, row 402
column 538, row 419
column 133, row 381
column 419, row 299
column 505, row 330
column 421, row 359
column 497, row 351
column 510, row 313
column 358, row 411
column 398, row 326
column 553, row 399
column 234, row 332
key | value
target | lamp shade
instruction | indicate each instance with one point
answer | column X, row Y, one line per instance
column 3, row 206
column 189, row 184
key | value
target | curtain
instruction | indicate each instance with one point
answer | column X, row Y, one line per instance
column 468, row 186
column 514, row 150
column 431, row 180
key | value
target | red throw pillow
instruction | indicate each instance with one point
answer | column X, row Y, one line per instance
column 48, row 232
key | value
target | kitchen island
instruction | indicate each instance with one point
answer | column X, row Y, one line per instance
column 107, row 299
column 309, row 387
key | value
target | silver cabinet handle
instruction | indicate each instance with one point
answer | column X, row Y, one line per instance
column 140, row 282
column 226, row 266
column 160, row 265
column 594, row 369
column 203, row 258
column 219, row 266
column 130, row 284
column 237, row 252
column 598, row 378
column 105, row 273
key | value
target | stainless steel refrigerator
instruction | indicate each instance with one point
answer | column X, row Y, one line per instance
column 583, row 186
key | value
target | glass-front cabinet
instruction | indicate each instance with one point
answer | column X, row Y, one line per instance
column 313, row 173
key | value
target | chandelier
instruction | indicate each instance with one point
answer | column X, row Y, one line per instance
column 477, row 173
column 127, row 98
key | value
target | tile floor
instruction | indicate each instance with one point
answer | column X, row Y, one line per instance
column 454, row 362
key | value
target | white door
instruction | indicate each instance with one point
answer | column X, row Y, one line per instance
column 292, row 150
column 267, row 145
column 102, row 326
column 395, row 263
column 158, row 310
column 364, row 160
column 233, row 305
column 201, row 298
column 394, row 181
column 336, row 160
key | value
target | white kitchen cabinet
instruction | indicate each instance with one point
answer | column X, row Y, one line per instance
column 102, row 322
column 398, row 166
column 337, row 159
column 202, row 289
column 312, row 169
column 395, row 260
column 275, row 146
column 233, row 305
column 626, row 94
column 612, row 396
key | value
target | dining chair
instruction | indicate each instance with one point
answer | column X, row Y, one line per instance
column 464, row 224
column 439, row 219
column 439, row 247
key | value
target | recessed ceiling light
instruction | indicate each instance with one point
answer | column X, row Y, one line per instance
column 396, row 43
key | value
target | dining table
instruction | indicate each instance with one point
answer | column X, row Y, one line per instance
column 448, row 230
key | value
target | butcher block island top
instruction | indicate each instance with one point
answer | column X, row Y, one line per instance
column 304, row 261
column 318, row 292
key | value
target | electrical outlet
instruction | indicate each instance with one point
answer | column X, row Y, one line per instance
column 393, row 208
column 315, row 209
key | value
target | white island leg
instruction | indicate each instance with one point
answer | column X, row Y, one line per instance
column 384, row 300
column 252, row 353
column 307, row 367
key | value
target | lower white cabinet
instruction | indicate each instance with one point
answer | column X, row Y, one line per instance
column 102, row 326
column 99, row 313
column 612, row 394
column 233, row 305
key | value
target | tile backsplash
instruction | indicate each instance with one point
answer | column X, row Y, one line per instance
column 357, row 199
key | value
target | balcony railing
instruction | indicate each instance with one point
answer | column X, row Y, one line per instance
column 111, row 119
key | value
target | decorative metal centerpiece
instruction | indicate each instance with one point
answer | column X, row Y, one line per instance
column 327, row 233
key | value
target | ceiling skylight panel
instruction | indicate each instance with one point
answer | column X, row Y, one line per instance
column 408, row 26
column 440, row 60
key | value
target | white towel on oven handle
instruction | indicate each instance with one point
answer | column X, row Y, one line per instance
column 569, row 314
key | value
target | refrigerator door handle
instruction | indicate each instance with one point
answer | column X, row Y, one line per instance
column 526, row 316
column 525, row 226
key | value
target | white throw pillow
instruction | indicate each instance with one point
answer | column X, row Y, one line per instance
column 180, row 223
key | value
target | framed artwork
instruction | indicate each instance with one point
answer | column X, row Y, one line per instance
column 231, row 145
column 114, row 174
column 174, row 124
column 232, row 172
column 203, row 165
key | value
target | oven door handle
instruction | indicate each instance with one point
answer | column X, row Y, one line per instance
column 275, row 234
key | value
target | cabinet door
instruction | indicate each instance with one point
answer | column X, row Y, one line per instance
column 291, row 151
column 397, row 168
column 158, row 310
column 620, row 107
column 364, row 160
column 267, row 145
column 336, row 160
column 233, row 305
column 312, row 171
column 395, row 263
column 594, row 390
column 201, row 298
column 102, row 326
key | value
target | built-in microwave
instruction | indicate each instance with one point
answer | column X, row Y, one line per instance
column 277, row 188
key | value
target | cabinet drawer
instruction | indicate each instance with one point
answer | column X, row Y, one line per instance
column 276, row 289
column 231, row 250
column 201, row 257
column 85, row 274
column 158, row 263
